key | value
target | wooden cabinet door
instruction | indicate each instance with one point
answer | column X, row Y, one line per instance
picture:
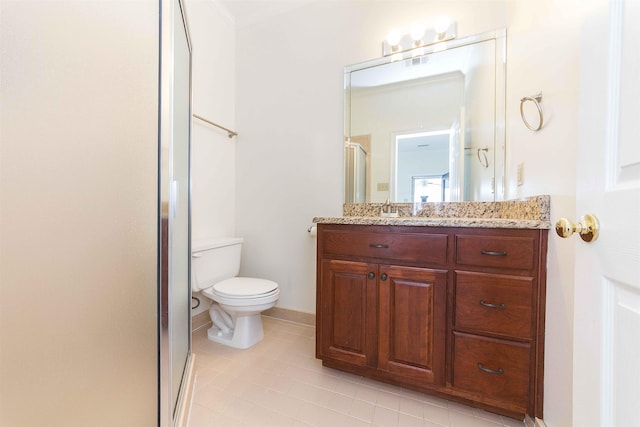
column 412, row 323
column 348, row 324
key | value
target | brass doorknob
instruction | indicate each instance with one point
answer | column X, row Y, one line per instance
column 588, row 228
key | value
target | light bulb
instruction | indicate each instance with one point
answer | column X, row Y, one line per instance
column 442, row 24
column 417, row 31
column 393, row 38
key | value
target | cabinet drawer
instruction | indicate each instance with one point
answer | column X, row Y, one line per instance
column 494, row 368
column 495, row 251
column 411, row 247
column 494, row 303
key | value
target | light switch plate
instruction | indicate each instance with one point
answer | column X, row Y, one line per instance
column 520, row 173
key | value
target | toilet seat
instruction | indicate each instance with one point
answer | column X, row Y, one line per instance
column 245, row 287
column 243, row 291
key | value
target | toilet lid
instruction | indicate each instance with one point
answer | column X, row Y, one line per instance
column 242, row 287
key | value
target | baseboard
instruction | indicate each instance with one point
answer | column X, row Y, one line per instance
column 530, row 422
column 291, row 315
column 183, row 410
column 540, row 423
column 203, row 321
column 200, row 321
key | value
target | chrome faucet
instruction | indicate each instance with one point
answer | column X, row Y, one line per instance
column 388, row 210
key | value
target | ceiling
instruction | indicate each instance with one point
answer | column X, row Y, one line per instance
column 248, row 12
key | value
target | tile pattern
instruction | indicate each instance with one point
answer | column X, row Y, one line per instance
column 280, row 383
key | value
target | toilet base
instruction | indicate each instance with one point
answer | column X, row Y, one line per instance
column 247, row 332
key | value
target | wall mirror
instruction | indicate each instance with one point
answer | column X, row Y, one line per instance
column 429, row 126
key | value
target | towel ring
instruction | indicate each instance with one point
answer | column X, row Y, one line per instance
column 536, row 99
column 483, row 159
column 482, row 155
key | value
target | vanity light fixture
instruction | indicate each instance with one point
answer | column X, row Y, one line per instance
column 419, row 35
column 441, row 25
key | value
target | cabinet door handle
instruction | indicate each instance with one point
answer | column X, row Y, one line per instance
column 493, row 253
column 371, row 275
column 373, row 245
column 383, row 277
column 488, row 304
column 490, row 371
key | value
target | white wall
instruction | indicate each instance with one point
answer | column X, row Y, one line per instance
column 543, row 44
column 213, row 156
column 78, row 202
column 213, row 153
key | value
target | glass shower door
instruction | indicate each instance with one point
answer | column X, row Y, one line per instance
column 180, row 256
column 175, row 193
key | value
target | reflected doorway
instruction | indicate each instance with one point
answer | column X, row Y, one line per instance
column 420, row 166
column 430, row 188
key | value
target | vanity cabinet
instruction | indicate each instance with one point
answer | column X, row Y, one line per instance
column 412, row 323
column 452, row 311
column 384, row 317
column 349, row 307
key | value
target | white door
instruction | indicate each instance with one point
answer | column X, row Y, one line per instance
column 607, row 288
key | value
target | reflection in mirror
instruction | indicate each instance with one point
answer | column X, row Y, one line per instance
column 421, row 169
column 429, row 127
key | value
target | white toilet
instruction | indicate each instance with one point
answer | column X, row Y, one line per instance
column 238, row 301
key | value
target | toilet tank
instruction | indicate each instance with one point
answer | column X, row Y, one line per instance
column 214, row 260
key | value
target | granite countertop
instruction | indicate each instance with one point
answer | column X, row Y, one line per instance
column 531, row 213
column 436, row 222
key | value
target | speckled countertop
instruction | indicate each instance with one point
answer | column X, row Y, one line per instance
column 532, row 212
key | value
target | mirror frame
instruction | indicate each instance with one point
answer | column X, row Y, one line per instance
column 499, row 37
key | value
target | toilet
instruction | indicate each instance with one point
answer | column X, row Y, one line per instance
column 237, row 301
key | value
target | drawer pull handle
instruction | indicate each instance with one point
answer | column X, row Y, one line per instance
column 488, row 304
column 373, row 245
column 490, row 371
column 371, row 275
column 383, row 277
column 493, row 253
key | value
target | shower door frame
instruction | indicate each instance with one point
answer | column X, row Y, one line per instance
column 171, row 411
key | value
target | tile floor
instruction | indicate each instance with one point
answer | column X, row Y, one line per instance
column 280, row 383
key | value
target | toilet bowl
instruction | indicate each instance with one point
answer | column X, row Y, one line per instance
column 237, row 301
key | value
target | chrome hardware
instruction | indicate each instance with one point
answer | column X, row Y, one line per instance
column 536, row 99
column 489, row 305
column 371, row 275
column 588, row 228
column 230, row 133
column 490, row 371
column 482, row 155
column 389, row 210
column 493, row 253
column 383, row 277
column 483, row 159
column 378, row 246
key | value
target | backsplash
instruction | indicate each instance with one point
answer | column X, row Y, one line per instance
column 537, row 208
